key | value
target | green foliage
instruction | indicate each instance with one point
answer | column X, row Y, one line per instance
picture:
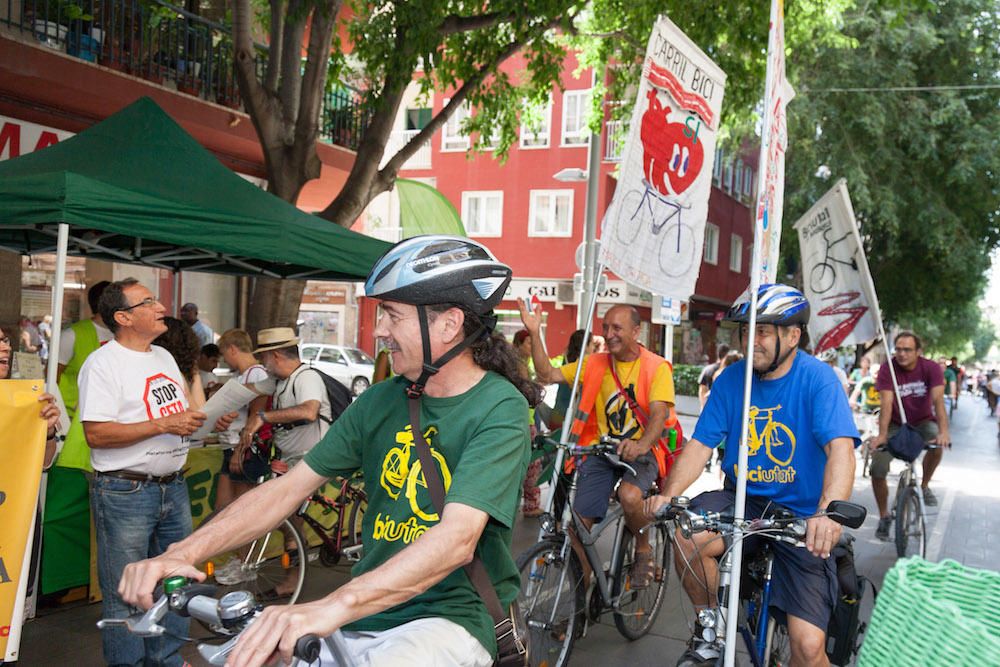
column 686, row 379
column 922, row 167
column 734, row 34
column 394, row 40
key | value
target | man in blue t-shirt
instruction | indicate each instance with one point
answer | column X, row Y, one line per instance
column 801, row 441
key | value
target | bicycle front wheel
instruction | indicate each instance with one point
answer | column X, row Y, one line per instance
column 551, row 600
column 272, row 567
column 911, row 530
column 636, row 609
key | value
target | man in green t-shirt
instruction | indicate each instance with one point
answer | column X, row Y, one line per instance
column 410, row 601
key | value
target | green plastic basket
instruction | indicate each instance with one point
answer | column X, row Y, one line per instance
column 934, row 614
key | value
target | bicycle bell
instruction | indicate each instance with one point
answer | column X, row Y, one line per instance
column 236, row 608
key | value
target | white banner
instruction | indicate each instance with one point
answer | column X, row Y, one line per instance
column 835, row 273
column 771, row 183
column 653, row 230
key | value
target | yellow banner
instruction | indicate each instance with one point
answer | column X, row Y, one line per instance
column 21, row 450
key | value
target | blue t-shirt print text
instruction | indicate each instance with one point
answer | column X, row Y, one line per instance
column 791, row 421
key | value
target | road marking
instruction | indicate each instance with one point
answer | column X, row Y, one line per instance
column 940, row 526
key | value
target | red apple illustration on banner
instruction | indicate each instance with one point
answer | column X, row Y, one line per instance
column 671, row 161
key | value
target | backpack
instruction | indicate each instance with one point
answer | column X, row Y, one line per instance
column 337, row 394
column 845, row 625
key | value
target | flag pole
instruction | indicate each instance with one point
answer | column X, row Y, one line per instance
column 739, row 510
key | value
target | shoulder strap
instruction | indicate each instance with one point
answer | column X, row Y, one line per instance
column 640, row 414
column 435, row 487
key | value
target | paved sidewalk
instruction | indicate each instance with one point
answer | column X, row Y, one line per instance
column 965, row 526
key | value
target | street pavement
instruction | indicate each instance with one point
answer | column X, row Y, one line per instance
column 965, row 526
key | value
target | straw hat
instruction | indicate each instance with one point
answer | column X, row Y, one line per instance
column 273, row 339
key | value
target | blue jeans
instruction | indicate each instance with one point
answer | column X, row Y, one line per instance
column 134, row 521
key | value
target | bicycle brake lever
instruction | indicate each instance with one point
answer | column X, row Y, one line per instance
column 147, row 625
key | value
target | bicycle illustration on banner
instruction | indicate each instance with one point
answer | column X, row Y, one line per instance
column 823, row 276
column 672, row 159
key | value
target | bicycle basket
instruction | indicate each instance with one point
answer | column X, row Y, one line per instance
column 934, row 614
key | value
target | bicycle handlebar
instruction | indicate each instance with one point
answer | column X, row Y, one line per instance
column 606, row 448
column 234, row 612
column 782, row 529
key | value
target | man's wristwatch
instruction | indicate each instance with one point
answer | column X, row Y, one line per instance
column 260, row 413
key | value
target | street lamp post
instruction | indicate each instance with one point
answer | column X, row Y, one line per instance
column 589, row 268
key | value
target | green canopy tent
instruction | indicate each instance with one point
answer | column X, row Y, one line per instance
column 137, row 188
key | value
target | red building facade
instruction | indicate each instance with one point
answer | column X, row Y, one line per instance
column 535, row 222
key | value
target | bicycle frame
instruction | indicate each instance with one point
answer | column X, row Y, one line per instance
column 348, row 494
column 756, row 639
column 588, row 539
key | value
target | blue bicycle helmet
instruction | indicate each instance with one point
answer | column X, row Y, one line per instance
column 776, row 304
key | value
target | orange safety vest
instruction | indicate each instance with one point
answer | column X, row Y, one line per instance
column 584, row 427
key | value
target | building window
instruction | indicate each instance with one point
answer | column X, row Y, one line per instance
column 418, row 119
column 717, row 168
column 748, row 181
column 574, row 118
column 711, row 243
column 727, row 177
column 551, row 213
column 482, row 213
column 735, row 253
column 738, row 178
column 451, row 134
column 537, row 133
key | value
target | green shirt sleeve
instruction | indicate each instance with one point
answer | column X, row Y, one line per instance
column 489, row 474
column 339, row 452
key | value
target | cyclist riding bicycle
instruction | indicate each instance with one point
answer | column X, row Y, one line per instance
column 801, row 440
column 409, row 602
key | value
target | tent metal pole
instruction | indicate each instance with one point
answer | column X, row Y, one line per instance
column 177, row 293
column 57, row 306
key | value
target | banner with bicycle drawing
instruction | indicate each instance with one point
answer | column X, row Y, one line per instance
column 653, row 230
column 835, row 273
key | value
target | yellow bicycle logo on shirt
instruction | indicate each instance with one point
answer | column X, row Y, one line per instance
column 398, row 474
column 776, row 438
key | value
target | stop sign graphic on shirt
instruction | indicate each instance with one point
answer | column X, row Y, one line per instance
column 163, row 396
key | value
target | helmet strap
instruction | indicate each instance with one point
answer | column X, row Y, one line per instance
column 416, row 389
column 778, row 357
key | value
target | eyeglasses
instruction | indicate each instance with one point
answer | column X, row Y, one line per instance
column 148, row 301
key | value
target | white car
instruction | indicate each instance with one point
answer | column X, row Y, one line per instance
column 349, row 365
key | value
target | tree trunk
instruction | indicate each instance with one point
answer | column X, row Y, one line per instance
column 274, row 303
column 10, row 284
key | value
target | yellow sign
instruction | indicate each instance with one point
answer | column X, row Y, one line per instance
column 20, row 475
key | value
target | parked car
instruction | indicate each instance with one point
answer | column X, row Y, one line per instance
column 349, row 365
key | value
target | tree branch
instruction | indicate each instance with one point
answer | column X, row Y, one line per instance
column 392, row 167
column 314, row 85
column 274, row 52
column 290, row 83
column 455, row 24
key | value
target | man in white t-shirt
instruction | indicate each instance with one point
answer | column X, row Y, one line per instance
column 300, row 401
column 136, row 420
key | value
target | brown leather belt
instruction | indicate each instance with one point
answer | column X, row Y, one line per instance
column 139, row 476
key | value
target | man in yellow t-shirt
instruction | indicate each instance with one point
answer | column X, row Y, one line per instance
column 646, row 383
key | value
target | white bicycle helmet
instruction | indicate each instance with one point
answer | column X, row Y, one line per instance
column 428, row 270
column 777, row 304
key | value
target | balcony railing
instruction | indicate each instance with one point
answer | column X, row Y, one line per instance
column 420, row 160
column 166, row 45
column 613, row 142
